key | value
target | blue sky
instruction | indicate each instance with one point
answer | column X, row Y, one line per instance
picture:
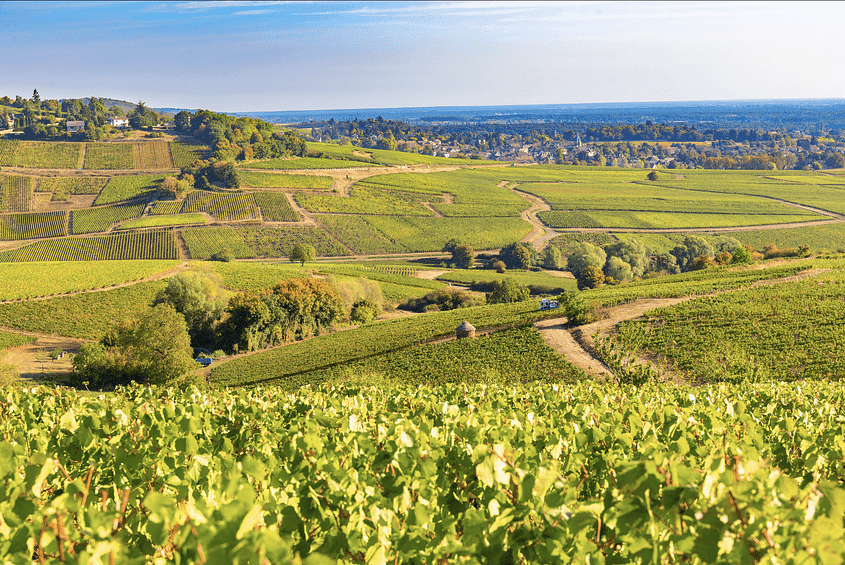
column 264, row 56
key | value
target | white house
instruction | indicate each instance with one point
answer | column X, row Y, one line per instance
column 119, row 122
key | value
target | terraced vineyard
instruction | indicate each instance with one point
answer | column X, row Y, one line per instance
column 40, row 154
column 109, row 156
column 64, row 187
column 33, row 225
column 223, row 206
column 430, row 234
column 16, row 193
column 101, row 218
column 152, row 155
column 128, row 187
column 153, row 244
column 275, row 207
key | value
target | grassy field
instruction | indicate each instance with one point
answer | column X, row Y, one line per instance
column 47, row 278
column 537, row 279
column 367, row 200
column 64, row 187
column 223, row 206
column 304, row 163
column 204, row 242
column 359, row 236
column 665, row 220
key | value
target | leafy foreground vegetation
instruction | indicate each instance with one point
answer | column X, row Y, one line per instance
column 469, row 474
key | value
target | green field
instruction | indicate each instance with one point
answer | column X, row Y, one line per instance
column 164, row 220
column 275, row 207
column 165, row 207
column 128, row 187
column 359, row 236
column 382, row 156
column 526, row 278
column 366, row 200
column 87, row 316
column 279, row 180
column 29, row 280
column 204, row 242
column 33, row 225
column 304, row 163
column 430, row 234
column 665, row 220
column 186, row 153
column 63, row 187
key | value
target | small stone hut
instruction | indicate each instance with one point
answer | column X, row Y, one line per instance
column 465, row 330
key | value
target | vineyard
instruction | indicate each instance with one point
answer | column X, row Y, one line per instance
column 154, row 244
column 304, row 163
column 367, row 200
column 31, row 280
column 8, row 339
column 63, row 187
column 788, row 332
column 359, row 236
column 542, row 473
column 223, row 206
column 183, row 154
column 40, row 154
column 430, row 234
column 665, row 220
column 32, row 225
column 128, row 187
column 165, row 208
column 15, row 193
column 162, row 221
column 104, row 156
column 152, row 155
column 280, row 180
column 102, row 218
column 288, row 366
column 85, row 316
column 204, row 242
column 275, row 207
column 277, row 241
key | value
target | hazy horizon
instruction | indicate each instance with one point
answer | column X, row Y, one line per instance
column 247, row 56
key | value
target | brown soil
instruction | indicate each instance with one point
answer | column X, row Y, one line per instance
column 430, row 275
column 33, row 361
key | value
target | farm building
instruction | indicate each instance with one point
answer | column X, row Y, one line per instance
column 119, row 122
column 75, row 126
column 465, row 330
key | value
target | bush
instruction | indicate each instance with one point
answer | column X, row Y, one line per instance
column 224, row 255
column 364, row 312
column 507, row 290
column 576, row 308
column 441, row 300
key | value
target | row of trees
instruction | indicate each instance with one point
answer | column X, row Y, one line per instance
column 628, row 260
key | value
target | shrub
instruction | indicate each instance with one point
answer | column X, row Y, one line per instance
column 507, row 290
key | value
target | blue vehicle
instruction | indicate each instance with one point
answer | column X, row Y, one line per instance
column 205, row 361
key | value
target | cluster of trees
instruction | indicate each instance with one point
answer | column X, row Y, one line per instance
column 630, row 260
column 202, row 173
column 194, row 311
column 233, row 138
column 45, row 119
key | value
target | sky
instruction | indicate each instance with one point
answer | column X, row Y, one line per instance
column 266, row 56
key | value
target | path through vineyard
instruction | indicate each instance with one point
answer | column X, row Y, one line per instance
column 577, row 343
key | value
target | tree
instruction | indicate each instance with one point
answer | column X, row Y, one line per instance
column 200, row 298
column 182, row 120
column 302, row 252
column 589, row 277
column 586, row 255
column 693, row 246
column 364, row 312
column 740, row 256
column 172, row 187
column 632, row 252
column 576, row 308
column 463, row 256
column 519, row 255
column 507, row 290
column 618, row 269
column 154, row 348
column 449, row 246
column 552, row 259
column 36, row 98
column 652, row 176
